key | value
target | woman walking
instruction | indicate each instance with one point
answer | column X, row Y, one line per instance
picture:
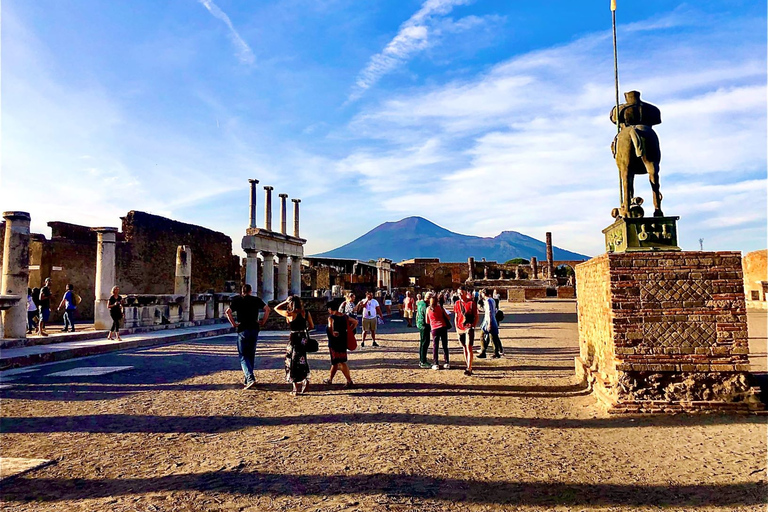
column 115, row 306
column 31, row 312
column 299, row 323
column 437, row 319
column 339, row 327
column 349, row 308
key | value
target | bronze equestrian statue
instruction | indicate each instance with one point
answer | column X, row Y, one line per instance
column 636, row 149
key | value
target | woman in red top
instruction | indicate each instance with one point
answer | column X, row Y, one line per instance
column 466, row 320
column 437, row 319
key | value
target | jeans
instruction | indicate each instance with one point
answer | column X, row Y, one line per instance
column 31, row 320
column 424, row 333
column 69, row 319
column 246, row 349
column 492, row 334
column 440, row 334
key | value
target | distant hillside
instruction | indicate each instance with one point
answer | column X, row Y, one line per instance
column 416, row 237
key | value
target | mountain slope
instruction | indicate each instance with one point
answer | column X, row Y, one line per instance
column 416, row 237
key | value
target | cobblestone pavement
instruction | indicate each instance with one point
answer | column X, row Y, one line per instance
column 177, row 432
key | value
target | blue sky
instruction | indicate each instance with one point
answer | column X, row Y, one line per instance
column 482, row 116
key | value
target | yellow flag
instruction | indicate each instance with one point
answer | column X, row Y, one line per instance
column 613, row 5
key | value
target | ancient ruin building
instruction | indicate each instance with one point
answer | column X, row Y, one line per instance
column 755, row 265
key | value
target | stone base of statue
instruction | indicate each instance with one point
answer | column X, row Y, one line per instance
column 664, row 332
column 642, row 234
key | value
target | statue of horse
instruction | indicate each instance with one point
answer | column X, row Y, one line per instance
column 636, row 149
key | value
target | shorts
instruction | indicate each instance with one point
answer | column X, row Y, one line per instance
column 369, row 324
column 467, row 336
column 45, row 314
column 408, row 313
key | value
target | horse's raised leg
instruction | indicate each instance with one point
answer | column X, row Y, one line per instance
column 653, row 177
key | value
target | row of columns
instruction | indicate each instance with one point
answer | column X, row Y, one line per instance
column 284, row 288
column 268, row 210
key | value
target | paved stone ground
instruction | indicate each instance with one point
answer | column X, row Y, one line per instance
column 178, row 433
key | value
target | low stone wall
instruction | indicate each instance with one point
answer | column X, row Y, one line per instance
column 566, row 292
column 660, row 332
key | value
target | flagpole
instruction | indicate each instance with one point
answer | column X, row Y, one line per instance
column 616, row 83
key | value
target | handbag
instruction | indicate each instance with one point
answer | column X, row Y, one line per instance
column 351, row 340
column 447, row 320
column 311, row 344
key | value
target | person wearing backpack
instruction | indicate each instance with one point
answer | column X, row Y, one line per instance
column 44, row 305
column 490, row 327
column 69, row 302
column 465, row 310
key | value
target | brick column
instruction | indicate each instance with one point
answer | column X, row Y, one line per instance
column 535, row 267
column 105, row 276
column 550, row 259
column 283, row 213
column 296, row 217
column 15, row 273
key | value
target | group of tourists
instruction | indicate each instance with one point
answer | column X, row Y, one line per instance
column 39, row 308
column 248, row 314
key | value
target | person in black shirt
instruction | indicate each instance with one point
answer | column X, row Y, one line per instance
column 44, row 305
column 247, row 308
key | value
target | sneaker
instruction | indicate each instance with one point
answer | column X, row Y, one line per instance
column 435, row 367
column 424, row 365
column 374, row 344
column 496, row 356
column 467, row 372
column 446, row 366
column 481, row 355
column 249, row 384
column 362, row 343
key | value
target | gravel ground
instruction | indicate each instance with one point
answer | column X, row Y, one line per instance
column 178, row 433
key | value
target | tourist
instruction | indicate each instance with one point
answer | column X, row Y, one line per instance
column 247, row 307
column 423, row 327
column 115, row 306
column 388, row 303
column 299, row 323
column 437, row 319
column 69, row 302
column 31, row 312
column 339, row 327
column 44, row 305
column 490, row 327
column 349, row 308
column 408, row 305
column 371, row 314
column 466, row 320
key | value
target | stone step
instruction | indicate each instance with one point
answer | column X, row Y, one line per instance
column 37, row 354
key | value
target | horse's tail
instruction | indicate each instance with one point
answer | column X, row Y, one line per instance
column 637, row 141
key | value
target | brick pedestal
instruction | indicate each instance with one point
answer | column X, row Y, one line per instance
column 664, row 332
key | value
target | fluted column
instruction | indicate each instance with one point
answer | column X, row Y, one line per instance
column 296, row 217
column 252, row 270
column 283, row 213
column 296, row 276
column 268, row 280
column 252, row 222
column 268, row 208
column 15, row 273
column 282, row 277
column 105, row 275
column 183, row 282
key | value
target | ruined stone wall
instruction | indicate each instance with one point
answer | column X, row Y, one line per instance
column 755, row 266
column 431, row 275
column 593, row 281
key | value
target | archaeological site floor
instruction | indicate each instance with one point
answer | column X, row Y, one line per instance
column 171, row 429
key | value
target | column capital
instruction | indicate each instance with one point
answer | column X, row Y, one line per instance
column 296, row 200
column 268, row 188
column 16, row 216
column 254, row 181
column 282, row 195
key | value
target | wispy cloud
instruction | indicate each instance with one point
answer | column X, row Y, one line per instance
column 413, row 37
column 244, row 52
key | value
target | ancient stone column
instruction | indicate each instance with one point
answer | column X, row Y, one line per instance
column 283, row 213
column 15, row 273
column 183, row 282
column 535, row 267
column 268, row 208
column 268, row 280
column 252, row 270
column 105, row 276
column 282, row 276
column 550, row 259
column 252, row 222
column 296, row 217
column 296, row 276
column 471, row 264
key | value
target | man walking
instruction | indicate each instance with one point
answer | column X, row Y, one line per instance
column 247, row 308
column 408, row 304
column 371, row 311
column 69, row 302
column 424, row 330
column 490, row 327
column 466, row 320
column 44, row 305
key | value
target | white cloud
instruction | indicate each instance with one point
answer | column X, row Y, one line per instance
column 244, row 52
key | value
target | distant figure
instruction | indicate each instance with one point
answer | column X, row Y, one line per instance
column 296, row 362
column 490, row 327
column 31, row 312
column 466, row 315
column 408, row 306
column 349, row 308
column 423, row 327
column 371, row 311
column 115, row 305
column 247, row 307
column 69, row 303
column 339, row 327
column 388, row 303
column 438, row 321
column 44, row 305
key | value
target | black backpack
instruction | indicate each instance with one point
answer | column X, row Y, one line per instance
column 499, row 315
column 469, row 317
